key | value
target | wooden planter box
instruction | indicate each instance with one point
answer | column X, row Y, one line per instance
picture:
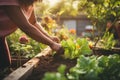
column 25, row 70
column 101, row 51
column 44, row 62
column 18, row 61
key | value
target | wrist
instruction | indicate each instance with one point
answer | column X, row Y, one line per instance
column 51, row 37
column 55, row 46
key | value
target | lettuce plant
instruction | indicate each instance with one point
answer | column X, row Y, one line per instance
column 74, row 48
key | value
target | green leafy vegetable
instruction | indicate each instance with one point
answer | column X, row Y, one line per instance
column 74, row 48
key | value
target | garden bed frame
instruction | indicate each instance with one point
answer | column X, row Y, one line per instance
column 102, row 51
column 26, row 69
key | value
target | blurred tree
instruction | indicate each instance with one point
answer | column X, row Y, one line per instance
column 65, row 8
column 99, row 11
column 41, row 8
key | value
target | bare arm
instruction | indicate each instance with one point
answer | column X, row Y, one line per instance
column 16, row 15
column 37, row 25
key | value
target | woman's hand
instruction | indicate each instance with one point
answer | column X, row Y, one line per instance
column 56, row 39
column 58, row 48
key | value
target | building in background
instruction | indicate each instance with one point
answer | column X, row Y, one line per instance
column 78, row 23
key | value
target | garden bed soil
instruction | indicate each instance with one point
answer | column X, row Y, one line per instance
column 50, row 63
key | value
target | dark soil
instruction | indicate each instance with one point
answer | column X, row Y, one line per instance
column 49, row 64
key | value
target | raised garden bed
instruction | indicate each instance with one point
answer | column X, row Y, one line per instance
column 24, row 70
column 44, row 62
column 18, row 61
column 49, row 64
column 35, row 68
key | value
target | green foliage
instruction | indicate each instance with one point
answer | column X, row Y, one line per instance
column 60, row 75
column 28, row 50
column 93, row 68
column 89, row 68
column 41, row 9
column 100, row 11
column 86, row 69
column 107, row 41
column 74, row 48
column 67, row 7
column 111, row 66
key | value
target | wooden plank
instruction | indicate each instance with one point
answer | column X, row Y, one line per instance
column 25, row 70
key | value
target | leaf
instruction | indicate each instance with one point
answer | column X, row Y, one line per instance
column 61, row 69
column 114, row 13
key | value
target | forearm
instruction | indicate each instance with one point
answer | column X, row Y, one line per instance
column 36, row 34
column 39, row 26
column 19, row 19
column 33, row 21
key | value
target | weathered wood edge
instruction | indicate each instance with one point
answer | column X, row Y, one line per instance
column 26, row 69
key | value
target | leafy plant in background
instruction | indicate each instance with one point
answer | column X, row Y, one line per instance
column 100, row 11
column 107, row 41
column 49, row 24
column 63, row 34
column 23, row 45
column 74, row 48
